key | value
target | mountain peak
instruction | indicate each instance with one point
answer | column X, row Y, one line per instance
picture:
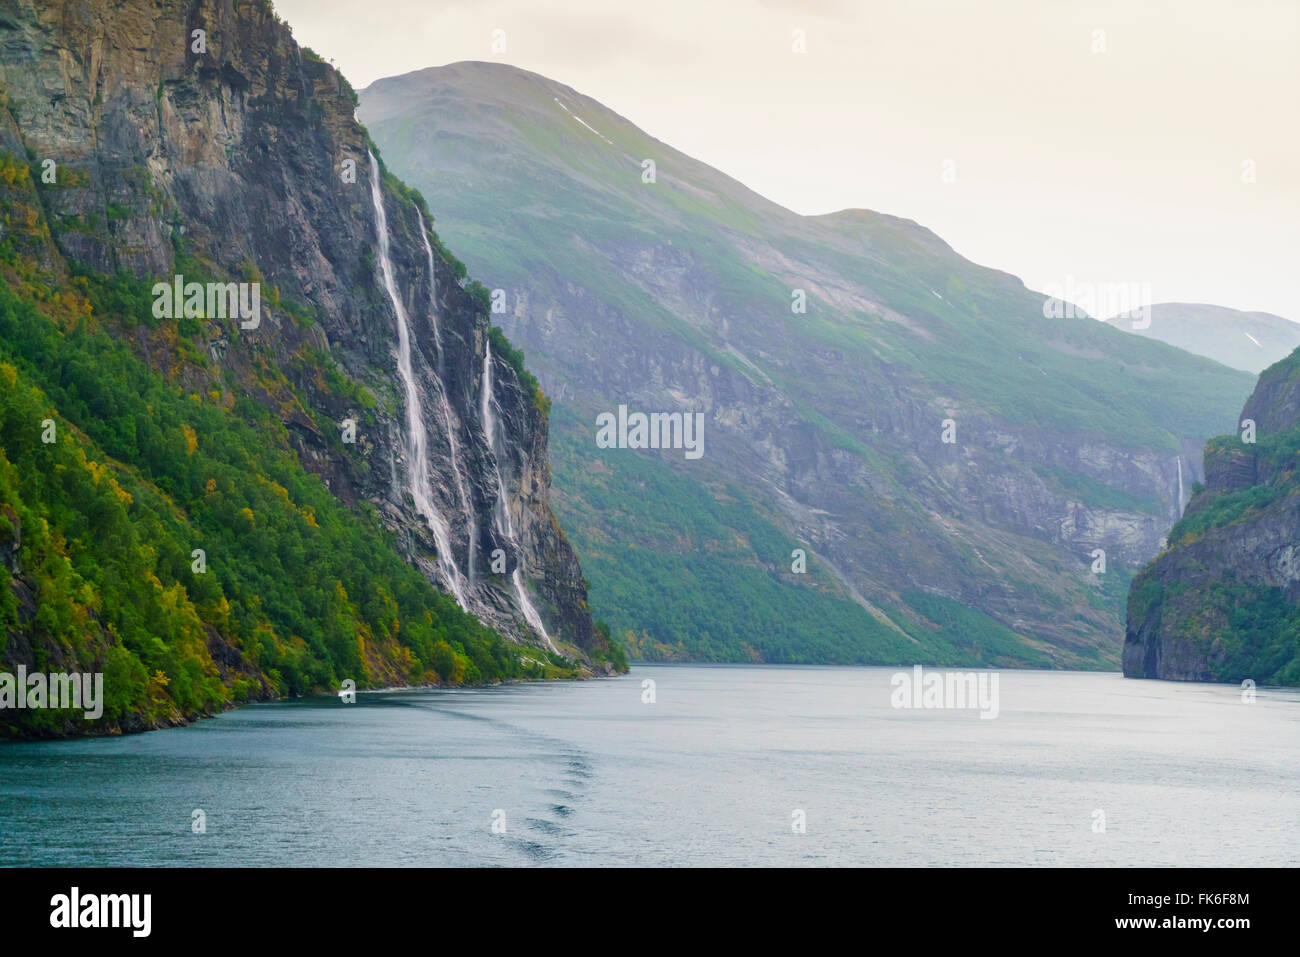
column 824, row 353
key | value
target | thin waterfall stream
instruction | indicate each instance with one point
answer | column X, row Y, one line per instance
column 471, row 529
column 417, row 439
column 501, row 513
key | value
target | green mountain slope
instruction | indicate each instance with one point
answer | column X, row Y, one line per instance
column 824, row 427
column 160, row 539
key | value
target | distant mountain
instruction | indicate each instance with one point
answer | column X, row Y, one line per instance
column 951, row 463
column 1251, row 341
column 1223, row 602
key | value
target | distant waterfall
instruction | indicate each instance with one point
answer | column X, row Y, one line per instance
column 471, row 527
column 417, row 440
column 1180, row 486
column 501, row 513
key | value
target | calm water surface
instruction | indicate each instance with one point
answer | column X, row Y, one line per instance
column 711, row 773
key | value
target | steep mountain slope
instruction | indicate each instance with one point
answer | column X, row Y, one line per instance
column 361, row 434
column 676, row 289
column 1251, row 341
column 1223, row 602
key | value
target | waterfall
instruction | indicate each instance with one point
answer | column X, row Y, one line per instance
column 417, row 440
column 471, row 530
column 1180, row 486
column 501, row 513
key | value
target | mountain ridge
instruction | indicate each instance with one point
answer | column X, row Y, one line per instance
column 825, row 425
column 1250, row 341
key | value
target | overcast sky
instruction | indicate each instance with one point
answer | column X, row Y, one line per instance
column 1092, row 142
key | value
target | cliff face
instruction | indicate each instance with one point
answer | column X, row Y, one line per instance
column 826, row 354
column 197, row 134
column 1223, row 602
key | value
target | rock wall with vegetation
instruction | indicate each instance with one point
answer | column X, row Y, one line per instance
column 144, row 140
column 1222, row 603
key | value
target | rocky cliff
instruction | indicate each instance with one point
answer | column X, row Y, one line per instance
column 196, row 135
column 1222, row 603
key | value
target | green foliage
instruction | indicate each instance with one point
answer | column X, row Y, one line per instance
column 1145, row 594
column 1098, row 494
column 514, row 358
column 1262, row 641
column 122, row 296
column 609, row 649
column 1277, row 455
column 140, row 476
column 971, row 635
column 302, row 315
column 708, row 578
column 482, row 298
column 684, row 572
column 348, row 90
column 458, row 268
column 1243, row 629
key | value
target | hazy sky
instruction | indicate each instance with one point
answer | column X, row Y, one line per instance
column 1122, row 166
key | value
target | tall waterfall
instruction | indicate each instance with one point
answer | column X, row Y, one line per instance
column 1180, row 486
column 501, row 513
column 417, row 440
column 471, row 529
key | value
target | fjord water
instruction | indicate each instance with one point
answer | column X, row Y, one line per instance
column 708, row 774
